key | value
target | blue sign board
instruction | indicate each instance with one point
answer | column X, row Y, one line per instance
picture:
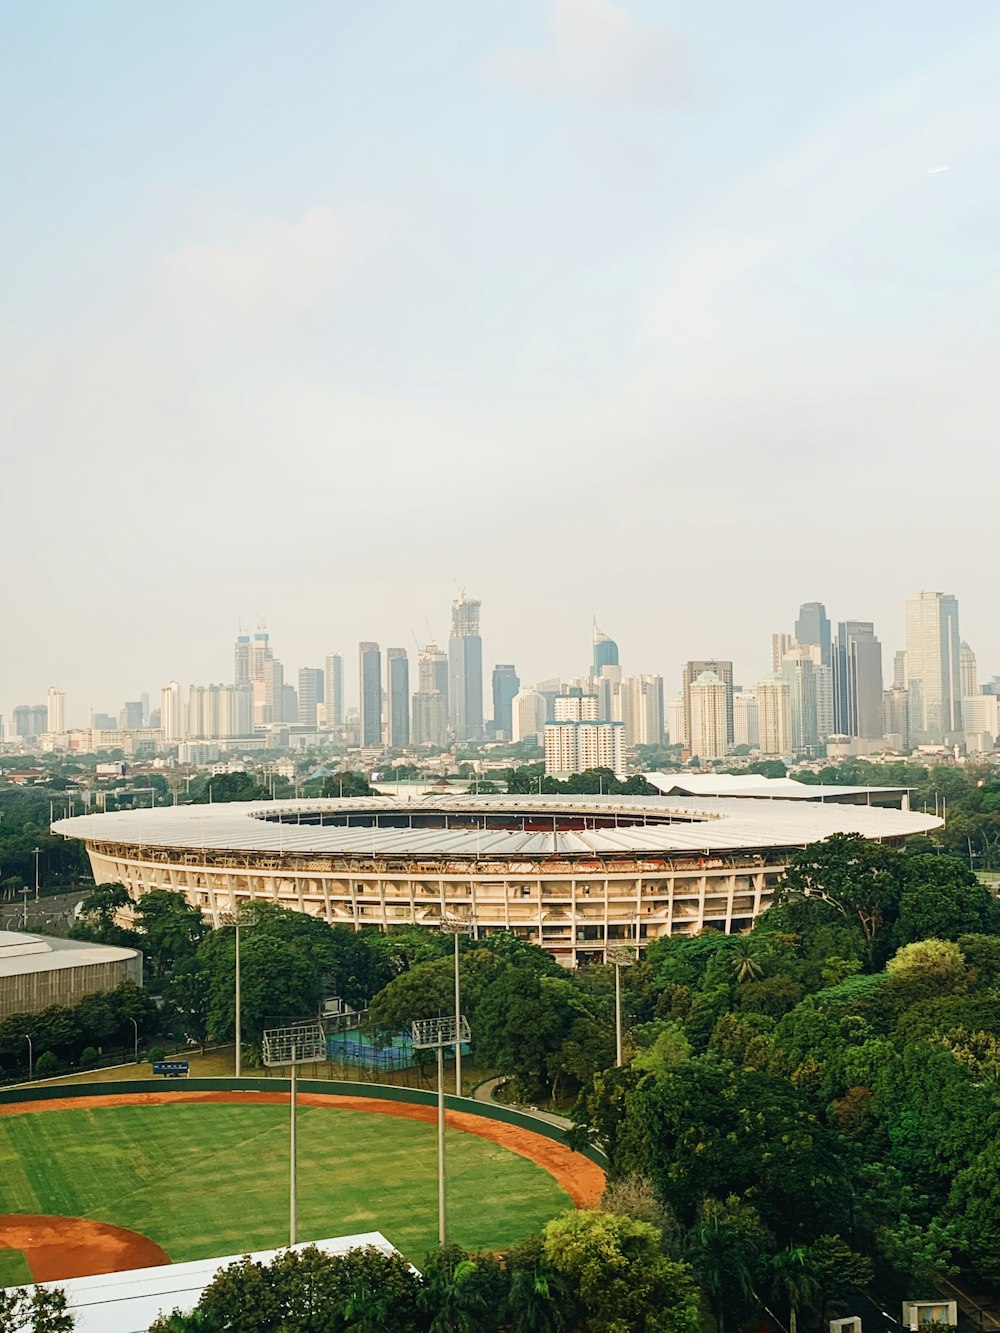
column 170, row 1068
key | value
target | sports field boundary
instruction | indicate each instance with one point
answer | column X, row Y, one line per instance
column 387, row 1092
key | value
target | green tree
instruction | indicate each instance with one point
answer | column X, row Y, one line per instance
column 453, row 1296
column 170, row 928
column 793, row 1281
column 620, row 1278
column 942, row 899
column 98, row 912
column 187, row 996
column 838, row 1271
column 276, row 980
column 727, row 1251
column 346, row 783
column 538, row 1299
column 39, row 1311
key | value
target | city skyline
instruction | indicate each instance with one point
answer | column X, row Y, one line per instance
column 451, row 250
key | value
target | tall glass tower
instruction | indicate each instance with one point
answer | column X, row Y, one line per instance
column 465, row 671
column 605, row 651
column 370, row 691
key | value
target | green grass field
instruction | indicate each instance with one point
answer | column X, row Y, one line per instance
column 14, row 1271
column 204, row 1180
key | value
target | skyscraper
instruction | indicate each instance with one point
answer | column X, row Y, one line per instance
column 641, row 709
column 746, row 725
column 310, row 694
column 933, row 668
column 432, row 669
column 430, row 719
column 242, row 660
column 710, row 703
column 398, row 691
column 130, row 718
column 813, row 627
column 56, row 711
column 334, row 690
column 800, row 671
column 780, row 644
column 528, row 716
column 968, row 671
column 465, row 671
column 605, row 651
column 692, row 670
column 857, row 681
column 261, row 653
column 370, row 692
column 505, row 686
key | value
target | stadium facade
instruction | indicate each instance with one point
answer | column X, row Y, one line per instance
column 575, row 874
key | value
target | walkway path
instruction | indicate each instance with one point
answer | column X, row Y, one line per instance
column 485, row 1093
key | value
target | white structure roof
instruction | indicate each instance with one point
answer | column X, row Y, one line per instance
column 23, row 953
column 646, row 825
column 129, row 1302
column 752, row 786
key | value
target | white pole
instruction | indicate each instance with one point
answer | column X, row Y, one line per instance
column 239, row 1030
column 618, row 1016
column 458, row 1025
column 293, row 1164
column 442, row 1228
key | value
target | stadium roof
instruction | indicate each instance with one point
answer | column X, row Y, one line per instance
column 645, row 825
column 129, row 1302
column 752, row 786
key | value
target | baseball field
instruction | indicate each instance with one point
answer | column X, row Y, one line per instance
column 210, row 1177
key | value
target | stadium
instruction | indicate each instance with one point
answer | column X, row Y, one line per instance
column 575, row 874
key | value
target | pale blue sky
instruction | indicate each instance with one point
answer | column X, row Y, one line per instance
column 659, row 310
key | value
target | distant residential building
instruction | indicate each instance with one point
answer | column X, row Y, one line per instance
column 605, row 651
column 505, row 687
column 465, row 670
column 746, row 727
column 709, row 716
column 692, row 670
column 333, row 690
column 219, row 712
column 675, row 720
column 774, row 716
column 574, row 746
column 576, row 708
column 172, row 713
column 857, row 681
column 982, row 721
column 896, row 717
column 813, row 629
column 370, row 692
column 933, row 668
column 311, row 681
column 398, row 694
column 528, row 718
column 55, row 712
column 642, row 709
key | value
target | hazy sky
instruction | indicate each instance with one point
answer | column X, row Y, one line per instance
column 666, row 311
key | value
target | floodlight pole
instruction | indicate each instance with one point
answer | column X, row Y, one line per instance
column 293, row 1161
column 442, row 1211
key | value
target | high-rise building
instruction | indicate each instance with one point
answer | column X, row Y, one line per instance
column 220, row 712
column 131, row 716
column 780, row 644
column 746, row 726
column 465, row 671
column 430, row 719
column 968, row 671
column 576, row 708
column 710, row 702
column 933, row 668
column 242, row 660
column 813, row 629
column 774, row 716
column 432, row 671
column 574, row 746
column 605, row 651
column 310, row 694
column 21, row 720
column 261, row 654
column 528, row 717
column 398, row 694
column 641, row 709
column 896, row 717
column 675, row 720
column 172, row 712
column 982, row 721
column 899, row 669
column 334, row 690
column 39, row 720
column 857, row 681
column 370, row 692
column 505, row 687
column 800, row 672
column 55, row 720
column 692, row 670
column 269, row 701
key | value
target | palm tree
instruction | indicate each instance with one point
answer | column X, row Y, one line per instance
column 451, row 1294
column 793, row 1279
column 744, row 963
column 536, row 1302
column 723, row 1248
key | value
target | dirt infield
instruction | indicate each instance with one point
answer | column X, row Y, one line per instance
column 61, row 1247
column 582, row 1179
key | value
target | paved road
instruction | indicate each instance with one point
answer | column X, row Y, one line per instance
column 485, row 1091
column 54, row 914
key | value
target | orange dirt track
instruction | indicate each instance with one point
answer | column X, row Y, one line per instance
column 61, row 1247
